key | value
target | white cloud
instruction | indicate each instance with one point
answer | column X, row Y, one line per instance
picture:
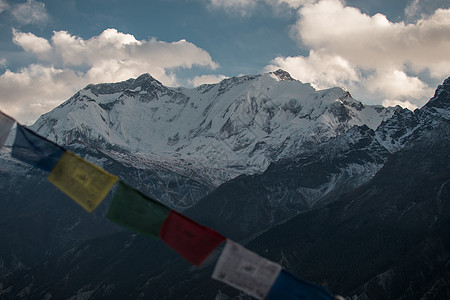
column 109, row 57
column 412, row 9
column 115, row 56
column 31, row 12
column 377, row 58
column 404, row 104
column 398, row 85
column 233, row 3
column 419, row 9
column 370, row 54
column 30, row 42
column 31, row 91
column 292, row 3
column 246, row 7
column 242, row 7
column 206, row 79
column 74, row 51
column 371, row 41
column 320, row 68
column 3, row 6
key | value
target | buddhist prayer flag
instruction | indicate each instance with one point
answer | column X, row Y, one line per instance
column 5, row 126
column 245, row 270
column 82, row 181
column 134, row 210
column 191, row 240
column 35, row 149
column 88, row 185
column 289, row 287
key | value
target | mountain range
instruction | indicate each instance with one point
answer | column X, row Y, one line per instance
column 354, row 197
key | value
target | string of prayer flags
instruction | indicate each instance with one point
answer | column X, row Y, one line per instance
column 288, row 287
column 88, row 185
column 82, row 181
column 6, row 124
column 35, row 149
column 134, row 210
column 191, row 240
column 245, row 270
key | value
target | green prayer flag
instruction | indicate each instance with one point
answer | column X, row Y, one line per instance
column 134, row 210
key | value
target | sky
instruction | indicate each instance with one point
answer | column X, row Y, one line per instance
column 382, row 51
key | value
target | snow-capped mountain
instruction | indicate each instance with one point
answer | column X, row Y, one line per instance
column 315, row 178
column 406, row 125
column 238, row 126
column 374, row 224
column 177, row 145
column 243, row 156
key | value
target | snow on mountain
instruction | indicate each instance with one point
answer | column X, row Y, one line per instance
column 383, row 214
column 438, row 108
column 351, row 191
column 237, row 126
column 406, row 125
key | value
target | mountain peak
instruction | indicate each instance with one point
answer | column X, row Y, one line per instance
column 441, row 98
column 146, row 77
column 144, row 81
column 447, row 83
column 108, row 88
column 282, row 75
column 242, row 121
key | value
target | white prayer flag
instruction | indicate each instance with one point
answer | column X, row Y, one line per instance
column 245, row 270
column 6, row 123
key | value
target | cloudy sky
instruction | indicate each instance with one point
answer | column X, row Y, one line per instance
column 383, row 51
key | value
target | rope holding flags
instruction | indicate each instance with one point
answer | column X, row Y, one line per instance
column 88, row 185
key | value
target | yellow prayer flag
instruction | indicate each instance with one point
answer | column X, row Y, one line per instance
column 82, row 181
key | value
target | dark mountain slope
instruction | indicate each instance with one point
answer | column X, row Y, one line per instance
column 292, row 185
column 387, row 239
column 322, row 174
column 37, row 221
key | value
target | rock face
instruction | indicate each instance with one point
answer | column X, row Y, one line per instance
column 353, row 197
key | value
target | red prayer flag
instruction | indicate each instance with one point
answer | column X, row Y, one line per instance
column 191, row 240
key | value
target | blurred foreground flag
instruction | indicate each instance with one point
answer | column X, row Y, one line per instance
column 35, row 149
column 288, row 287
column 191, row 240
column 5, row 126
column 136, row 211
column 245, row 270
column 82, row 181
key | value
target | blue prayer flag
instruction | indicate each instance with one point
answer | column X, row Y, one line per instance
column 288, row 287
column 35, row 149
